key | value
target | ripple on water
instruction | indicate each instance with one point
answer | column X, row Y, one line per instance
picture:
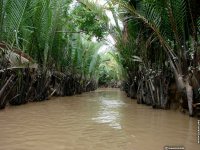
column 101, row 120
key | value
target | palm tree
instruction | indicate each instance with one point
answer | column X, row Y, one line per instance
column 43, row 32
column 162, row 22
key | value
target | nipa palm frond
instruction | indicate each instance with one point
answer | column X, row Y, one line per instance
column 15, row 10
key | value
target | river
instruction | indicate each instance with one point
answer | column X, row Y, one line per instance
column 102, row 120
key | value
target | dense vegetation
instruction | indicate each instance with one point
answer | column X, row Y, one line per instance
column 48, row 48
column 160, row 49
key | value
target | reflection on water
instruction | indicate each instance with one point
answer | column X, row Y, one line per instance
column 101, row 120
column 109, row 112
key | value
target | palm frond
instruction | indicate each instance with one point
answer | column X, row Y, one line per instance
column 15, row 11
column 2, row 16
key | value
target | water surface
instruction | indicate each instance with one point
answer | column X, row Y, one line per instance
column 102, row 120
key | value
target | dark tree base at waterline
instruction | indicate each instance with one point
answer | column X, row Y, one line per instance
column 160, row 92
column 20, row 86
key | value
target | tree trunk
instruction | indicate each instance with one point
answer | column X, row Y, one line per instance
column 189, row 93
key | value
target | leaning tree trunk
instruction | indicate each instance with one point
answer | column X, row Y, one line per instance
column 189, row 93
column 184, row 85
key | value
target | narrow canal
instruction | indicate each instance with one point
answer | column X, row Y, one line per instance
column 102, row 120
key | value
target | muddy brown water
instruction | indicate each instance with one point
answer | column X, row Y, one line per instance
column 102, row 120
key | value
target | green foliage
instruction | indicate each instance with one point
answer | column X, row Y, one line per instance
column 111, row 70
column 90, row 20
column 50, row 33
column 156, row 31
column 15, row 11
